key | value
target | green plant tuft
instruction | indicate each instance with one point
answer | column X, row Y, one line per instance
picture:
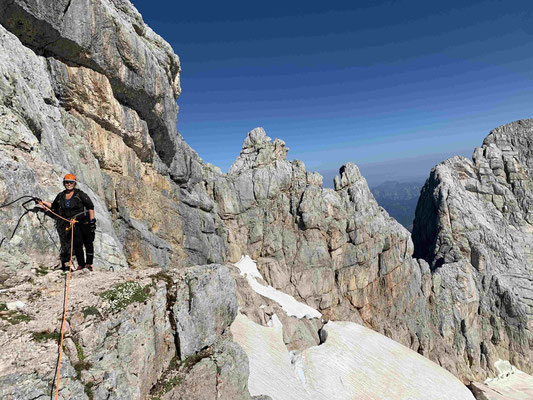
column 41, row 270
column 3, row 307
column 88, row 389
column 163, row 276
column 79, row 350
column 124, row 294
column 44, row 336
column 172, row 383
column 14, row 317
column 90, row 311
column 82, row 366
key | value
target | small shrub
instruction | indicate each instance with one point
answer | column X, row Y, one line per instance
column 3, row 307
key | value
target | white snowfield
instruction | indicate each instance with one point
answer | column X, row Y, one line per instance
column 353, row 363
column 510, row 384
column 289, row 304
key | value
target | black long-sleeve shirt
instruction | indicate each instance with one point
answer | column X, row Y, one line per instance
column 78, row 203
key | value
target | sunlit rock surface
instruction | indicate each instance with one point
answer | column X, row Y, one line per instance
column 86, row 87
column 127, row 336
column 474, row 227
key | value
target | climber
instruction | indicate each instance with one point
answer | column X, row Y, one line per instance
column 73, row 203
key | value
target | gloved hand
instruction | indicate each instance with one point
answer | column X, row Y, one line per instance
column 36, row 199
column 92, row 225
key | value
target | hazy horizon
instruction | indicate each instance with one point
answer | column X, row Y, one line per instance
column 378, row 83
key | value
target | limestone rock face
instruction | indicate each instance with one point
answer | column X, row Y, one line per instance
column 86, row 87
column 473, row 226
column 208, row 306
column 110, row 38
column 336, row 250
column 121, row 340
column 349, row 361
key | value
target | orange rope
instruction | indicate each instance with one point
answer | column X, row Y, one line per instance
column 71, row 227
column 72, row 222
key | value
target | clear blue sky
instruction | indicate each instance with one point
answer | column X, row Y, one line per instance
column 389, row 85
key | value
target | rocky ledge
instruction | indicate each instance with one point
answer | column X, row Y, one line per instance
column 129, row 335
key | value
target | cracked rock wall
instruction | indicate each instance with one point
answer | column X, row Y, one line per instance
column 474, row 227
column 121, row 340
column 336, row 250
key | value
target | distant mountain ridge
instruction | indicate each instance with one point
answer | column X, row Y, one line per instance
column 399, row 199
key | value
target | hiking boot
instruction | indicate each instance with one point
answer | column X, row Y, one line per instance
column 63, row 266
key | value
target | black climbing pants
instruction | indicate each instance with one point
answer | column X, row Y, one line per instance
column 83, row 237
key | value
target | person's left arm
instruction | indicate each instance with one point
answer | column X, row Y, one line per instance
column 88, row 203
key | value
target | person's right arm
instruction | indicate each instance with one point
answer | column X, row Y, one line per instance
column 54, row 205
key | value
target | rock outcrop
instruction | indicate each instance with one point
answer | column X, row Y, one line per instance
column 474, row 227
column 128, row 335
column 336, row 250
column 509, row 384
column 87, row 88
column 347, row 362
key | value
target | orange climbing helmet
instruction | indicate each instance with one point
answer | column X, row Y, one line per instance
column 69, row 178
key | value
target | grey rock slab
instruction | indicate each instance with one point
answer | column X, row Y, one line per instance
column 114, row 41
column 205, row 309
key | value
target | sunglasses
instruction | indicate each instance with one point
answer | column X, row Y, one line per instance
column 69, row 182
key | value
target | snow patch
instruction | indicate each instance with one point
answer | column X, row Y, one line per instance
column 289, row 304
column 504, row 368
column 510, row 383
column 353, row 363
